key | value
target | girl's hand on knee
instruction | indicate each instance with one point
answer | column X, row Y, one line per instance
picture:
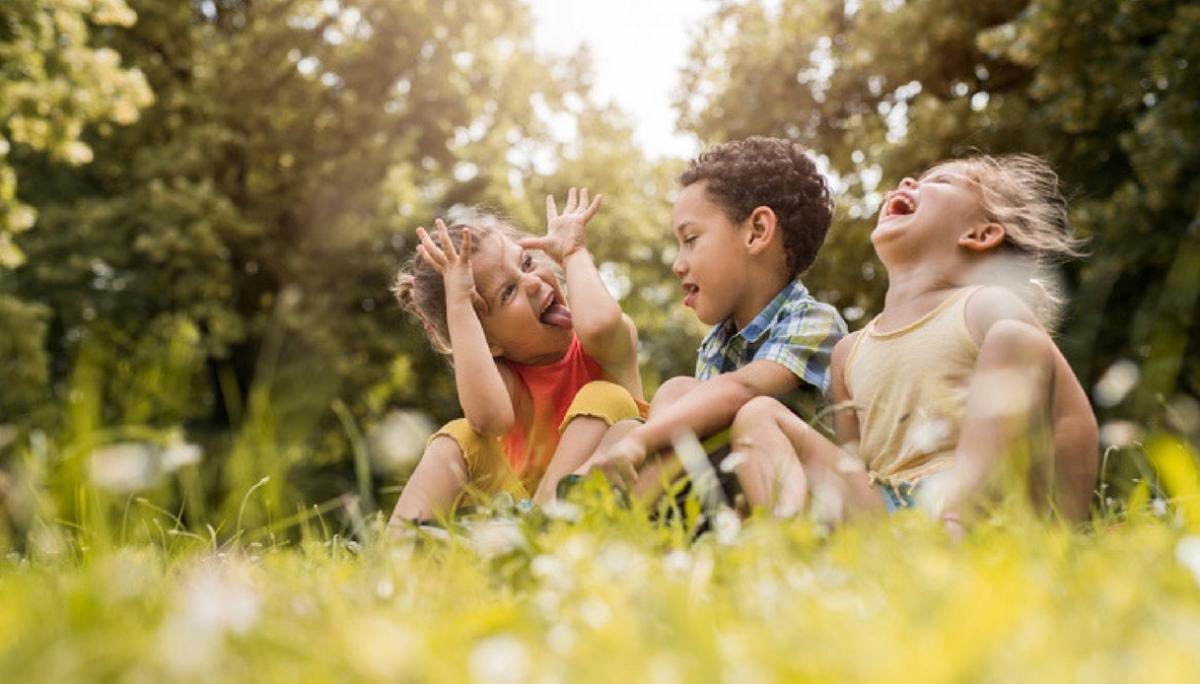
column 620, row 462
column 565, row 232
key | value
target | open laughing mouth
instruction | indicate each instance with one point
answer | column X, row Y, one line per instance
column 555, row 313
column 690, row 292
column 899, row 203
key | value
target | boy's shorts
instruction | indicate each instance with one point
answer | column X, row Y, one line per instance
column 898, row 496
column 488, row 470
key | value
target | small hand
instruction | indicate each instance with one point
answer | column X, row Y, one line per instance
column 453, row 264
column 620, row 462
column 565, row 232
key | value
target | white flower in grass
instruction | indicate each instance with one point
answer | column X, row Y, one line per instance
column 827, row 504
column 1116, row 383
column 545, row 566
column 1119, row 433
column 1187, row 552
column 221, row 598
column 560, row 638
column 621, row 561
column 499, row 659
column 491, row 538
column 399, row 440
column 179, row 453
column 563, row 510
column 215, row 599
column 595, row 613
column 123, row 467
column 677, row 561
column 727, row 525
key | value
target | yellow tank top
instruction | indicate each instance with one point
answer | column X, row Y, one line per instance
column 909, row 389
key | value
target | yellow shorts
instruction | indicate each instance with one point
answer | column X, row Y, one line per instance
column 488, row 469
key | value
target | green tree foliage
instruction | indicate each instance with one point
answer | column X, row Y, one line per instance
column 54, row 83
column 251, row 221
column 1108, row 91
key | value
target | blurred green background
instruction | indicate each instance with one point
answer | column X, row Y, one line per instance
column 202, row 204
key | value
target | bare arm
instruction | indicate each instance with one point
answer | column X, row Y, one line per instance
column 1076, row 443
column 483, row 393
column 707, row 409
column 1022, row 391
column 845, row 420
column 606, row 334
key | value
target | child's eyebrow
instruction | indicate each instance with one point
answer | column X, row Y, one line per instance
column 683, row 224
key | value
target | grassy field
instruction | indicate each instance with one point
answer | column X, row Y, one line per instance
column 594, row 592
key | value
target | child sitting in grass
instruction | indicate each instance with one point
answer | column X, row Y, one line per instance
column 749, row 220
column 958, row 372
column 540, row 376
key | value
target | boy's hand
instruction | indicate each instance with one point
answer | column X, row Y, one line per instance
column 620, row 462
column 565, row 232
column 454, row 265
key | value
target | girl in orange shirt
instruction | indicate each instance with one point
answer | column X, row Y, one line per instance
column 540, row 375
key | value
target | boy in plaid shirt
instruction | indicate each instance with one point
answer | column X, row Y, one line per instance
column 749, row 219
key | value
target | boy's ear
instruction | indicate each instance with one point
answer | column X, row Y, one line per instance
column 762, row 226
column 982, row 237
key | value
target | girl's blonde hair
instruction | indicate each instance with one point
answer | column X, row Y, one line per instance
column 1022, row 193
column 421, row 290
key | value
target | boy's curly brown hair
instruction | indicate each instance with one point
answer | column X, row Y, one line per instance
column 774, row 173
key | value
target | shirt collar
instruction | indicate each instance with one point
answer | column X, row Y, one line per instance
column 759, row 325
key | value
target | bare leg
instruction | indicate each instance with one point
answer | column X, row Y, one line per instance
column 582, row 437
column 660, row 470
column 784, row 460
column 435, row 485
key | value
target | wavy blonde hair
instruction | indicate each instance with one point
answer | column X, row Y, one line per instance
column 1022, row 193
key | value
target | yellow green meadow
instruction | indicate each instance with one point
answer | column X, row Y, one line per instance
column 590, row 591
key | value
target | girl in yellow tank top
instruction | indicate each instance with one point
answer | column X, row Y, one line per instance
column 958, row 371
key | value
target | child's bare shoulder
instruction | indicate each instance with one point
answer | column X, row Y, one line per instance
column 990, row 304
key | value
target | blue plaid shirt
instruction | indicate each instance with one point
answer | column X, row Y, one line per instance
column 793, row 330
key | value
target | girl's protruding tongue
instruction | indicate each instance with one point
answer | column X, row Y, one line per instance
column 557, row 315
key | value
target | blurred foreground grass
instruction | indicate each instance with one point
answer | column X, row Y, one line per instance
column 596, row 593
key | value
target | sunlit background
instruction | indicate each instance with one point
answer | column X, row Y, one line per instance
column 202, row 205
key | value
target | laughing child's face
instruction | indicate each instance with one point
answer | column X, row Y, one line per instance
column 924, row 214
column 712, row 262
column 527, row 320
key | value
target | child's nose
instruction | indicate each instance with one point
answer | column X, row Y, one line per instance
column 907, row 182
column 531, row 283
column 679, row 267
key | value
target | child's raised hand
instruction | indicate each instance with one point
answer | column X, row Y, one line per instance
column 565, row 232
column 453, row 264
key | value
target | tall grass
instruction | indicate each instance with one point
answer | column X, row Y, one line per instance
column 132, row 556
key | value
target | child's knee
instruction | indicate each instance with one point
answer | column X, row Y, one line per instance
column 605, row 401
column 756, row 413
column 672, row 391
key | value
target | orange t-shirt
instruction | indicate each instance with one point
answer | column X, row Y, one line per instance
column 531, row 441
